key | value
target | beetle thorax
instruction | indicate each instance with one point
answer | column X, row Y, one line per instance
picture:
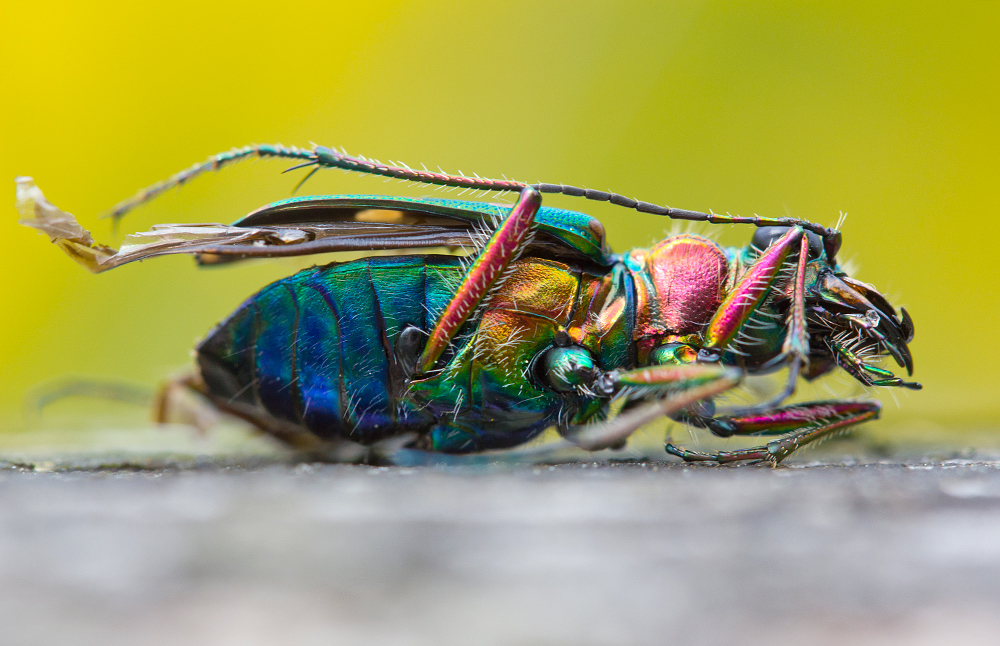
column 680, row 284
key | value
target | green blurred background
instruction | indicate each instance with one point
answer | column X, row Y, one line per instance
column 890, row 112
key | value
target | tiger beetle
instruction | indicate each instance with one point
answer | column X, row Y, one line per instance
column 539, row 325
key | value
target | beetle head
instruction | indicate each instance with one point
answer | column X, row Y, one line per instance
column 857, row 323
column 848, row 318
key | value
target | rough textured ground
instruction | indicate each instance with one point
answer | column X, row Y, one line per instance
column 577, row 554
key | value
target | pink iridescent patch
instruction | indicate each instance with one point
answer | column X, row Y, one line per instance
column 688, row 273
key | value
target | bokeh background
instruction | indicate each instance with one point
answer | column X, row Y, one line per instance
column 888, row 111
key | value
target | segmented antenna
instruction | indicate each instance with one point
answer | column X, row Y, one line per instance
column 213, row 163
column 324, row 157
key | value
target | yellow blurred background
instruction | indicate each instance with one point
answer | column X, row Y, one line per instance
column 890, row 112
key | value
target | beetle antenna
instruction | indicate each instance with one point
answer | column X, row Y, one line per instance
column 325, row 157
column 213, row 163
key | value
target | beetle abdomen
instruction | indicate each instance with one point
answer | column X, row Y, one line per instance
column 317, row 348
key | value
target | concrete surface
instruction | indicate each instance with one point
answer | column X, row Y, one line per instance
column 881, row 553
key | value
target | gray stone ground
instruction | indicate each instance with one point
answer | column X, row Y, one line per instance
column 204, row 553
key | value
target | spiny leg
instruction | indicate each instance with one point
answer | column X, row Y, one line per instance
column 502, row 247
column 795, row 349
column 699, row 382
column 806, row 423
column 213, row 163
column 188, row 401
column 749, row 294
column 869, row 375
column 796, row 345
column 319, row 157
column 324, row 157
column 687, row 384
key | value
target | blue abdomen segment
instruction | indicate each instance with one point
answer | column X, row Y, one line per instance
column 364, row 366
column 321, row 387
column 317, row 348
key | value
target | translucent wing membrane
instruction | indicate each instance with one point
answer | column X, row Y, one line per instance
column 304, row 226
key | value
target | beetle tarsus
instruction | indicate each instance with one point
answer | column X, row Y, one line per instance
column 799, row 425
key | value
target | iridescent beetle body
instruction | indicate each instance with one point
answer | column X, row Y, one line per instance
column 543, row 327
column 322, row 349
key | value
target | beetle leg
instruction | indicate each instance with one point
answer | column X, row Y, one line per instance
column 797, row 338
column 488, row 267
column 318, row 157
column 795, row 349
column 180, row 401
column 699, row 382
column 747, row 296
column 47, row 394
column 810, row 422
column 174, row 403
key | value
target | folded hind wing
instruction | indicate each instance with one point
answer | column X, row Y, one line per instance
column 345, row 229
column 311, row 225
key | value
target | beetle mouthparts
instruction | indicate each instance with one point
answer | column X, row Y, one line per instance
column 866, row 311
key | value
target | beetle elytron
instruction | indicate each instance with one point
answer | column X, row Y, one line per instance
column 540, row 326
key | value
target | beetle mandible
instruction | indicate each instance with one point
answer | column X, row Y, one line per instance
column 540, row 325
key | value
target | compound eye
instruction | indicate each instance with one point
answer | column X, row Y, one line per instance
column 672, row 354
column 568, row 369
column 763, row 237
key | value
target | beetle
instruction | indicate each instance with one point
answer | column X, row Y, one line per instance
column 539, row 325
